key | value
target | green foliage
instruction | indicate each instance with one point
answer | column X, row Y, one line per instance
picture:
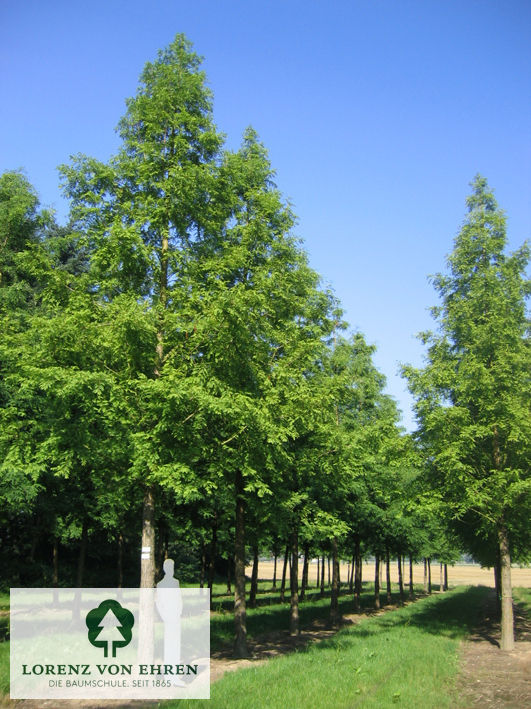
column 473, row 396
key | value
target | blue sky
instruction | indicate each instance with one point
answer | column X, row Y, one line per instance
column 376, row 114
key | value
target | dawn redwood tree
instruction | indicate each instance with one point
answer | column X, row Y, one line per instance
column 142, row 211
column 260, row 321
column 473, row 395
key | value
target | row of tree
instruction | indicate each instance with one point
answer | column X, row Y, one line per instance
column 171, row 364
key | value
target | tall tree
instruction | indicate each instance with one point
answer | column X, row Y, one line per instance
column 142, row 211
column 473, row 396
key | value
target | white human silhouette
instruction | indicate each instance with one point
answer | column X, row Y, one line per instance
column 169, row 605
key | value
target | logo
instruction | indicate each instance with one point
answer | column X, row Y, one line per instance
column 109, row 627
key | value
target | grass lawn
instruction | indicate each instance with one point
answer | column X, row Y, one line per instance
column 409, row 656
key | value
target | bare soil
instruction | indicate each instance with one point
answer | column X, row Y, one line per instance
column 490, row 677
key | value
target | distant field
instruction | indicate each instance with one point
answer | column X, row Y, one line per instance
column 457, row 575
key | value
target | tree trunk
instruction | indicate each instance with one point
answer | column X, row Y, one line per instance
column 254, row 578
column 335, row 615
column 82, row 555
column 322, row 576
column 283, row 582
column 425, row 575
column 202, row 567
column 317, row 580
column 377, row 582
column 446, row 577
column 147, row 557
column 357, row 576
column 55, row 569
column 507, row 620
column 294, row 584
column 411, row 593
column 304, row 584
column 400, row 579
column 240, row 624
column 328, row 571
column 212, row 559
column 388, row 576
column 441, row 578
column 497, row 582
column 429, row 575
column 275, row 572
column 351, row 579
column 229, row 588
column 34, row 539
column 120, row 560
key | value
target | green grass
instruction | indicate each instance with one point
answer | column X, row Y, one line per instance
column 408, row 657
column 270, row 615
column 522, row 598
column 4, row 670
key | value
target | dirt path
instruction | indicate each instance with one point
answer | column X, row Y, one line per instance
column 491, row 678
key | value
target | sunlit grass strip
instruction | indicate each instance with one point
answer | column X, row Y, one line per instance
column 409, row 656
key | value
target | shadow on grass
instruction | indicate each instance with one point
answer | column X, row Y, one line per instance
column 273, row 616
column 455, row 616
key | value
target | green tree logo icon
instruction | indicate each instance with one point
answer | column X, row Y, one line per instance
column 109, row 626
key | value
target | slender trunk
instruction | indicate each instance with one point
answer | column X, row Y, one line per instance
column 147, row 557
column 377, row 582
column 240, row 624
column 429, row 575
column 328, row 571
column 55, row 569
column 411, row 577
column 317, row 580
column 80, row 571
column 507, row 620
column 446, row 577
column 388, row 576
column 441, row 577
column 212, row 559
column 120, row 560
column 160, row 546
column 82, row 555
column 497, row 582
column 425, row 575
column 357, row 576
column 294, row 584
column 304, row 584
column 229, row 587
column 202, row 568
column 400, row 579
column 283, row 582
column 351, row 579
column 275, row 572
column 34, row 540
column 335, row 616
column 322, row 575
column 254, row 578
